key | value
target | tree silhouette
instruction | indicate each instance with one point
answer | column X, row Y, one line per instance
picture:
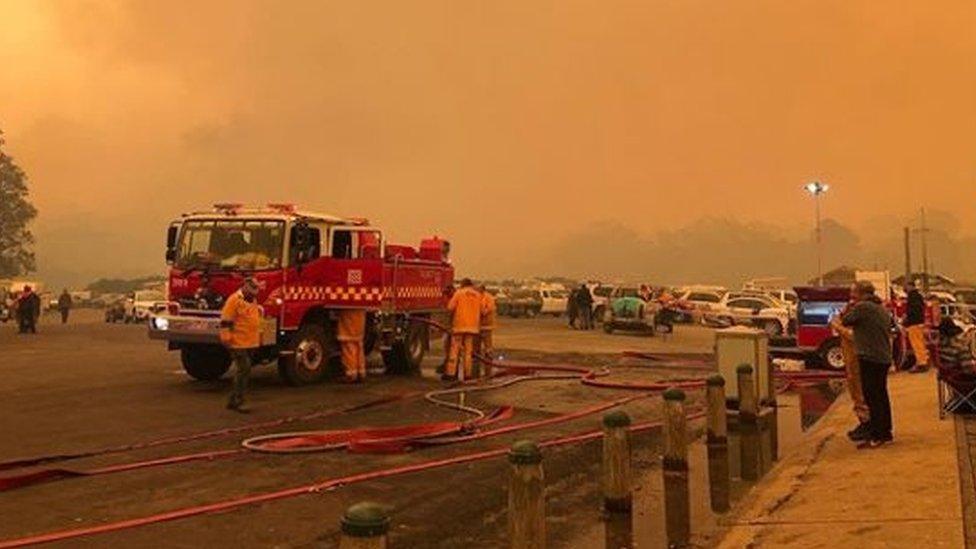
column 16, row 213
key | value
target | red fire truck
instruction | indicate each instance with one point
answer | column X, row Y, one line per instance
column 308, row 267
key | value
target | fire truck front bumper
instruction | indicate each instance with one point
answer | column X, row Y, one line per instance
column 200, row 329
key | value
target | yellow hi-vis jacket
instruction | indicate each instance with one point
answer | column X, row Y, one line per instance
column 240, row 323
column 465, row 305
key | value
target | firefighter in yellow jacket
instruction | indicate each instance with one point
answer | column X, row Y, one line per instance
column 488, row 314
column 465, row 307
column 351, row 331
column 240, row 332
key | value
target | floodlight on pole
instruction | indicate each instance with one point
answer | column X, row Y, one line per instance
column 816, row 188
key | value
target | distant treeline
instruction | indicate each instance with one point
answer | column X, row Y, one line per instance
column 122, row 286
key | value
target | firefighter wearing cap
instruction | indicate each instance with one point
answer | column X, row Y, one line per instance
column 350, row 333
column 488, row 313
column 465, row 307
column 240, row 332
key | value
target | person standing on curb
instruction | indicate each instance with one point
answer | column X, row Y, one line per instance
column 64, row 305
column 871, row 323
column 852, row 371
column 915, row 326
column 240, row 332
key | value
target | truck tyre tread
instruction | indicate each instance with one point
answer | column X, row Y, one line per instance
column 310, row 353
column 405, row 357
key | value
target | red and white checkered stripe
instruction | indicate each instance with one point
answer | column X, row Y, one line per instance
column 414, row 292
column 332, row 293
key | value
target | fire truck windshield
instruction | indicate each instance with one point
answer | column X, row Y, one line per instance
column 231, row 244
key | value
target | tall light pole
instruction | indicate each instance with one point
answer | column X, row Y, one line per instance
column 816, row 189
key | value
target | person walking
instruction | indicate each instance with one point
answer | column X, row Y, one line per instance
column 64, row 305
column 351, row 332
column 915, row 327
column 871, row 324
column 465, row 307
column 240, row 332
column 584, row 301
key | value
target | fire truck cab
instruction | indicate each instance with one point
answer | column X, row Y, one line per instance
column 308, row 267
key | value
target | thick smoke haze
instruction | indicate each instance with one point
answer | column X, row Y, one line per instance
column 667, row 139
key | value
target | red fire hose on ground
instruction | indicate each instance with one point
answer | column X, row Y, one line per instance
column 376, row 440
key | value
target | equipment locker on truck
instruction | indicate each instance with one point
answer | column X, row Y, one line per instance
column 308, row 267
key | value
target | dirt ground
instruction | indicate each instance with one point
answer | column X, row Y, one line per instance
column 90, row 385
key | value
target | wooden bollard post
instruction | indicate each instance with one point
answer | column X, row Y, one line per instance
column 364, row 526
column 526, row 497
column 616, row 462
column 748, row 427
column 677, row 502
column 717, row 440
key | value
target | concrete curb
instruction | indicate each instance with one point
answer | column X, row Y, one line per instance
column 743, row 526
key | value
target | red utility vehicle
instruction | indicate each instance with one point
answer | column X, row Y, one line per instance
column 308, row 267
column 814, row 337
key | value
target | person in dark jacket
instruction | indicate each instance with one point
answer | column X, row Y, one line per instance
column 28, row 311
column 915, row 327
column 64, row 305
column 572, row 309
column 872, row 322
column 584, row 302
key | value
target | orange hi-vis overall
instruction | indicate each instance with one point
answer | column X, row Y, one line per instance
column 488, row 314
column 350, row 333
column 465, row 307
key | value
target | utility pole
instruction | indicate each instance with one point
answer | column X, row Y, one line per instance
column 925, row 254
column 908, row 256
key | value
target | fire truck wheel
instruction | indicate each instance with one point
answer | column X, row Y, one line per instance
column 831, row 354
column 308, row 359
column 205, row 362
column 405, row 357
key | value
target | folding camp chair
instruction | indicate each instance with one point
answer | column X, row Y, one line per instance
column 957, row 388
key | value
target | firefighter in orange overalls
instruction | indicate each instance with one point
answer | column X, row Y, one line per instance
column 465, row 307
column 350, row 333
column 488, row 314
column 852, row 369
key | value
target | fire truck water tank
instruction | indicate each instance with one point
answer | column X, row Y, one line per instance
column 742, row 345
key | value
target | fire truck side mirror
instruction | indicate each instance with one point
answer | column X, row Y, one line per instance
column 171, row 235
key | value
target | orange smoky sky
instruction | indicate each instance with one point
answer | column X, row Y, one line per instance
column 506, row 126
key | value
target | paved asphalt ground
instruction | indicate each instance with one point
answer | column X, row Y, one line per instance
column 90, row 385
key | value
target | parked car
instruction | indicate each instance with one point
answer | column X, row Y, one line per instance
column 519, row 303
column 141, row 304
column 699, row 301
column 759, row 311
column 601, row 296
column 554, row 301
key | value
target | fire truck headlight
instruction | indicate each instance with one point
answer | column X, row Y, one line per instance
column 279, row 301
column 161, row 324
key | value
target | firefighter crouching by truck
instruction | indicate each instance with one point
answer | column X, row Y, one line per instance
column 351, row 331
column 465, row 307
column 240, row 329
